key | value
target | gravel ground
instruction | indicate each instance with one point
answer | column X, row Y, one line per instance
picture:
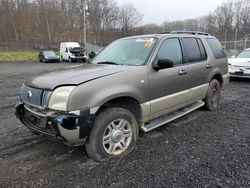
column 202, row 149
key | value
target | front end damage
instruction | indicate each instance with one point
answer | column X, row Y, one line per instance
column 72, row 128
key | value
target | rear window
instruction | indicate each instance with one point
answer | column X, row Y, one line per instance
column 192, row 50
column 216, row 48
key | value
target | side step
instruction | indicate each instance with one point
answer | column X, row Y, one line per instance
column 170, row 117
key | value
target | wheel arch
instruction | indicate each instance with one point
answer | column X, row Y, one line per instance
column 219, row 78
column 216, row 74
column 127, row 102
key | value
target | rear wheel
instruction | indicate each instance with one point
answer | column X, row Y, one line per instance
column 213, row 95
column 114, row 134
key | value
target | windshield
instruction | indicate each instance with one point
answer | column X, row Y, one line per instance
column 244, row 54
column 133, row 51
column 49, row 53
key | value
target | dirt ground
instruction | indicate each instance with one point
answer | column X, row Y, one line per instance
column 202, row 149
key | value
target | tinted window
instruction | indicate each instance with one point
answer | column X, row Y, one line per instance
column 192, row 50
column 202, row 50
column 216, row 48
column 171, row 49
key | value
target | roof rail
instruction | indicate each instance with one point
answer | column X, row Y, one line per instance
column 165, row 32
column 190, row 32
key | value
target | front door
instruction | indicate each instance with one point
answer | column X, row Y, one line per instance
column 168, row 87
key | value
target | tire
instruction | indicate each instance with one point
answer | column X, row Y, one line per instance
column 43, row 60
column 213, row 95
column 114, row 134
column 70, row 60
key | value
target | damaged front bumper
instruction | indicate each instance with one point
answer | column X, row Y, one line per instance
column 72, row 128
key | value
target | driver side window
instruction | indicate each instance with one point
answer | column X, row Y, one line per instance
column 171, row 49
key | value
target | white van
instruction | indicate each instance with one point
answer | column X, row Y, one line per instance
column 66, row 55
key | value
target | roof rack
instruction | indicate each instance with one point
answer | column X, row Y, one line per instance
column 190, row 32
column 165, row 32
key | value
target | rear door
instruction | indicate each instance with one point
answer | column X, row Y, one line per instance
column 197, row 65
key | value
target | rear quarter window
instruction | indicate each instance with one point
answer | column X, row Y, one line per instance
column 216, row 48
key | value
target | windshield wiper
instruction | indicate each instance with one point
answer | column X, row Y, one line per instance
column 108, row 62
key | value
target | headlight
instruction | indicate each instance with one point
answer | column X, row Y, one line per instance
column 231, row 68
column 59, row 98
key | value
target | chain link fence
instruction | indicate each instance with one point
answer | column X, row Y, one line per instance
column 232, row 48
column 234, row 40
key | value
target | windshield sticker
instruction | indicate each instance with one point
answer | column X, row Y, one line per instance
column 148, row 45
column 145, row 40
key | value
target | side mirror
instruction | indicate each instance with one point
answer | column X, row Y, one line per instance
column 92, row 55
column 163, row 64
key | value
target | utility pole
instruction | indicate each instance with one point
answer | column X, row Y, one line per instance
column 235, row 40
column 84, row 25
column 225, row 43
column 245, row 44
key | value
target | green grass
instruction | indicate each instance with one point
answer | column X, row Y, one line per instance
column 18, row 56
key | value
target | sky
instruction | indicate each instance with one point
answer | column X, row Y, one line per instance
column 158, row 11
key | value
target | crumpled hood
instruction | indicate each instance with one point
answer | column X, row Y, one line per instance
column 244, row 62
column 75, row 75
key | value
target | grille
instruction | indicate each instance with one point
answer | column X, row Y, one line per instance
column 35, row 97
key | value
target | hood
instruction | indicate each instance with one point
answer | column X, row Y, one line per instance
column 244, row 62
column 75, row 75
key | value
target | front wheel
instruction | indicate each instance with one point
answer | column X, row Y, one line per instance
column 43, row 60
column 213, row 95
column 114, row 134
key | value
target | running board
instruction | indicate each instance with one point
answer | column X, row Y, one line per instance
column 172, row 116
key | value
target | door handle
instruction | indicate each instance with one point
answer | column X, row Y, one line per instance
column 182, row 72
column 208, row 66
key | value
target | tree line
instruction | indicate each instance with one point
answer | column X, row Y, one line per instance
column 62, row 20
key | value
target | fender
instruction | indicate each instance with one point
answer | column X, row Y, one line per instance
column 215, row 71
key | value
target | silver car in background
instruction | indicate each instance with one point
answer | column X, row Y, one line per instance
column 239, row 66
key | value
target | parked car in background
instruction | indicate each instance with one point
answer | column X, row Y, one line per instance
column 72, row 51
column 48, row 57
column 136, row 83
column 239, row 66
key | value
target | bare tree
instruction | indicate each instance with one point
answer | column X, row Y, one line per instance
column 129, row 18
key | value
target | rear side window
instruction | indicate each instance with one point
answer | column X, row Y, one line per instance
column 192, row 50
column 216, row 48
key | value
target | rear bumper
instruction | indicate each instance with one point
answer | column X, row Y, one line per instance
column 70, row 128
